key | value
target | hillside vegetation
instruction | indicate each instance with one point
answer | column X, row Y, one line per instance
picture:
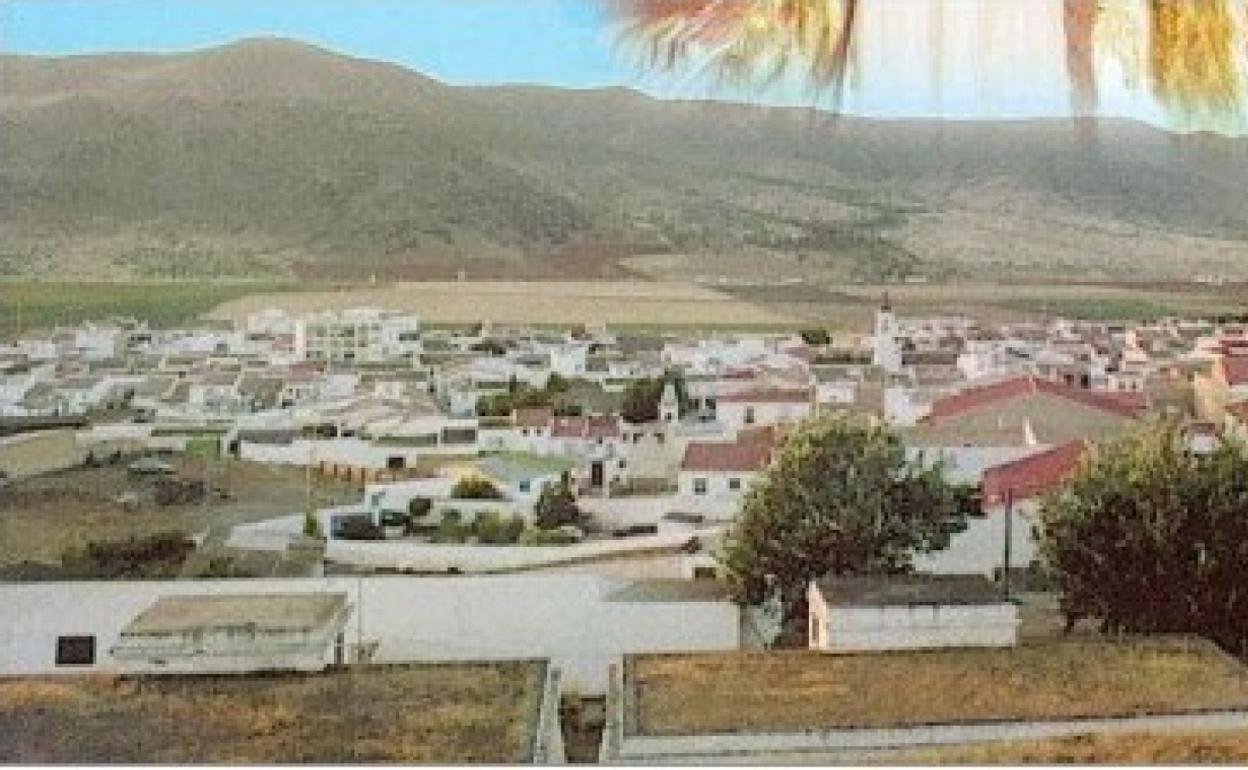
column 267, row 158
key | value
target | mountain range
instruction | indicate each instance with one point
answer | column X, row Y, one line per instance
column 270, row 158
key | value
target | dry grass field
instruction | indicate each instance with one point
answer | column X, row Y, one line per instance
column 405, row 714
column 791, row 691
column 41, row 517
column 539, row 302
column 1215, row 747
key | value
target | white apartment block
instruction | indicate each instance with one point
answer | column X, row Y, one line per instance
column 355, row 335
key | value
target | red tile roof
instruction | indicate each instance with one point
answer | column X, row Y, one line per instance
column 749, row 453
column 1234, row 370
column 1129, row 405
column 603, row 426
column 768, row 396
column 1032, row 476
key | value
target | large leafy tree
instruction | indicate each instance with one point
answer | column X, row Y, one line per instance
column 1149, row 537
column 841, row 497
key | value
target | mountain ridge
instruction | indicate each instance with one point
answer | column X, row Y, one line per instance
column 264, row 155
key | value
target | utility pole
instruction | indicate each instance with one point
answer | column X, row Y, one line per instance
column 1009, row 531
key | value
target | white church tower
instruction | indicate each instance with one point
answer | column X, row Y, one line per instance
column 669, row 404
column 886, row 345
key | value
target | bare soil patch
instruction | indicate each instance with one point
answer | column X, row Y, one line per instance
column 40, row 517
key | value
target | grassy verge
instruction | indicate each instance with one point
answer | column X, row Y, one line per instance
column 450, row 714
column 793, row 691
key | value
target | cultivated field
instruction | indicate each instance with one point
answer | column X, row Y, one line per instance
column 794, row 691
column 808, row 289
column 26, row 305
column 406, row 714
column 617, row 302
column 40, row 517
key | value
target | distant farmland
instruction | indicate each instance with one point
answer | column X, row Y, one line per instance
column 634, row 303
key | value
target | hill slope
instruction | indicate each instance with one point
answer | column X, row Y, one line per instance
column 265, row 156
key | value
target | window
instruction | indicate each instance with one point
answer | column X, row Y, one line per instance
column 75, row 650
column 734, row 484
column 699, row 486
column 623, row 464
column 659, row 437
column 749, row 415
column 395, row 462
column 524, row 485
column 524, row 431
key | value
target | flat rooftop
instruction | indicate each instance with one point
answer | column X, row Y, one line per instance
column 437, row 713
column 909, row 590
column 788, row 691
column 263, row 612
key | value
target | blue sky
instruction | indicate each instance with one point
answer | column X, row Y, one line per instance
column 570, row 43
column 461, row 41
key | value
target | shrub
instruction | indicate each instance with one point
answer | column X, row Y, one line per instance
column 491, row 528
column 561, row 536
column 451, row 529
column 159, row 555
column 419, row 507
column 390, row 518
column 475, row 488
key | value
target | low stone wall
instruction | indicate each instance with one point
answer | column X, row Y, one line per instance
column 428, row 557
column 548, row 748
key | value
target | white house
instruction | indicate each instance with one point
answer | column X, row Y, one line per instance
column 1012, row 489
column 908, row 612
column 754, row 407
column 715, row 475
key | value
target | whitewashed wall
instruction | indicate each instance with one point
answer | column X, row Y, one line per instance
column 566, row 618
column 981, row 548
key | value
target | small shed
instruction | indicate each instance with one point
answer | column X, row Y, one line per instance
column 235, row 633
column 908, row 612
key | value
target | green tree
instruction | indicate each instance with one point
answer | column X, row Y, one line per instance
column 816, row 336
column 557, row 383
column 556, row 506
column 311, row 525
column 1149, row 537
column 419, row 507
column 640, row 402
column 840, row 498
